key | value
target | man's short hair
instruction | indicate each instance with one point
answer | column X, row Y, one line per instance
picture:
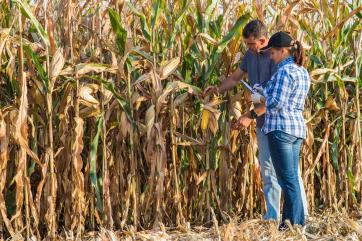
column 256, row 29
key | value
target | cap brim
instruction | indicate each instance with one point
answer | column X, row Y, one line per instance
column 266, row 48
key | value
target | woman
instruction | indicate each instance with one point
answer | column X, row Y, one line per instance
column 283, row 100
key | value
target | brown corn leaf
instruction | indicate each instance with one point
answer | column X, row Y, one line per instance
column 180, row 99
column 4, row 34
column 213, row 123
column 4, row 142
column 57, row 64
column 331, row 104
column 124, row 125
column 201, row 178
column 142, row 78
column 174, row 86
column 150, row 119
column 78, row 178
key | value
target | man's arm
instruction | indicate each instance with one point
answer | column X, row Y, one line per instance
column 227, row 84
column 231, row 81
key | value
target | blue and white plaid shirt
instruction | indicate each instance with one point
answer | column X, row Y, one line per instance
column 285, row 95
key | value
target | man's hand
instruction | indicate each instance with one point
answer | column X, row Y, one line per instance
column 210, row 90
column 215, row 89
column 243, row 122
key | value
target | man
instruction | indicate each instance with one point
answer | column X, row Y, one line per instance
column 259, row 68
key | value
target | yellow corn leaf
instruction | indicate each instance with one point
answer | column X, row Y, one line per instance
column 205, row 119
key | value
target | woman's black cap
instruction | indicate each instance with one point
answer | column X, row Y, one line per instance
column 278, row 40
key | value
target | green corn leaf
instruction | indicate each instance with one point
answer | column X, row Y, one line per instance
column 209, row 13
column 177, row 26
column 121, row 33
column 157, row 7
column 234, row 32
column 93, row 164
column 144, row 26
column 122, row 102
column 334, row 147
column 26, row 10
column 39, row 67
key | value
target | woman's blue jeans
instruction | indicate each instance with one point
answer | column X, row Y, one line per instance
column 284, row 151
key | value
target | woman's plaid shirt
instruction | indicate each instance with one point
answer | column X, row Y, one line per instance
column 285, row 95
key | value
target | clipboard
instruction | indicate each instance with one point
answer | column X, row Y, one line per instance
column 248, row 87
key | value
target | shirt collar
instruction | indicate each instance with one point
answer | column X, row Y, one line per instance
column 258, row 53
column 288, row 60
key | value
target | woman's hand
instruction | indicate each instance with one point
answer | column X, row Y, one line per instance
column 256, row 98
column 260, row 108
column 262, row 100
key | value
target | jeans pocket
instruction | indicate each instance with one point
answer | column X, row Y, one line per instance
column 284, row 137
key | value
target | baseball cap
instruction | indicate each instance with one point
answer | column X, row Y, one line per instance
column 278, row 40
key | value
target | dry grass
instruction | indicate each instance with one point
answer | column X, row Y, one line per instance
column 327, row 227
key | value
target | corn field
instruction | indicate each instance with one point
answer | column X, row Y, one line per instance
column 103, row 124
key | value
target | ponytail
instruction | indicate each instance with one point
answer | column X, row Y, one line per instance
column 297, row 52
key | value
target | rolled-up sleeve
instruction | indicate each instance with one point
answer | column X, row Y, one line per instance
column 243, row 65
column 279, row 92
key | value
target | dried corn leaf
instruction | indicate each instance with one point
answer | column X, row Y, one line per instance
column 85, row 68
column 78, row 198
column 168, row 68
column 150, row 119
column 57, row 64
column 86, row 92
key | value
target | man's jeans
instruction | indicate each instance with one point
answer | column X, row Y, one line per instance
column 285, row 157
column 271, row 188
